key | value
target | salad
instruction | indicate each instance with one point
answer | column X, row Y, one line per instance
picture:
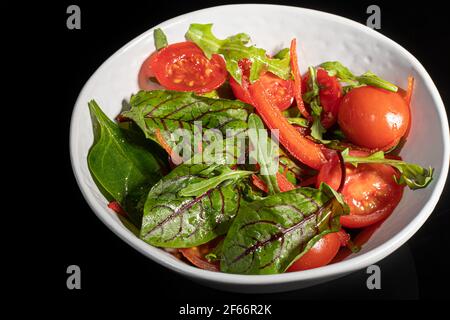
column 233, row 160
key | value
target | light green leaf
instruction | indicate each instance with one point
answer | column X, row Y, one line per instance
column 234, row 49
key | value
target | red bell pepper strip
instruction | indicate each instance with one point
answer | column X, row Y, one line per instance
column 305, row 150
column 409, row 90
column 283, row 183
column 297, row 80
column 115, row 206
column 197, row 259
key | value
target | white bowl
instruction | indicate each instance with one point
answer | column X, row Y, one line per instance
column 321, row 37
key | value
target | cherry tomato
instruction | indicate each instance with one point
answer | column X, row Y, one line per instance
column 330, row 96
column 373, row 118
column 146, row 74
column 183, row 67
column 322, row 252
column 369, row 190
column 280, row 91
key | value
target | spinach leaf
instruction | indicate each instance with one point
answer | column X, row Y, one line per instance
column 234, row 49
column 268, row 235
column 264, row 152
column 160, row 39
column 123, row 171
column 412, row 175
column 174, row 220
column 166, row 111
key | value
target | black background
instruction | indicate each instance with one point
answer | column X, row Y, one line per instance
column 419, row 269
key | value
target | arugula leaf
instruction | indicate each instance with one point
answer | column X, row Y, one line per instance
column 412, row 175
column 335, row 68
column 371, row 79
column 123, row 170
column 177, row 221
column 302, row 122
column 234, row 49
column 312, row 98
column 167, row 111
column 160, row 39
column 264, row 152
column 268, row 235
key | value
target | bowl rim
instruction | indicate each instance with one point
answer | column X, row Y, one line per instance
column 339, row 268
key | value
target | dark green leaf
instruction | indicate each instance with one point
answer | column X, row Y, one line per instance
column 268, row 235
column 122, row 170
column 168, row 111
column 160, row 39
column 175, row 221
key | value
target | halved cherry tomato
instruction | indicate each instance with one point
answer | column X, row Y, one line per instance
column 280, row 91
column 146, row 75
column 330, row 96
column 183, row 67
column 321, row 253
column 373, row 118
column 369, row 190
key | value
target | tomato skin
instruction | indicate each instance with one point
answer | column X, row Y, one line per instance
column 145, row 73
column 369, row 190
column 183, row 67
column 280, row 91
column 373, row 118
column 330, row 96
column 321, row 253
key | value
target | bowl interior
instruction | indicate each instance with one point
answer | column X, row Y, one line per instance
column 321, row 37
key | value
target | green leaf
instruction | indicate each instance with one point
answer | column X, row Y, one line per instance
column 168, row 111
column 412, row 175
column 282, row 54
column 264, row 152
column 372, row 79
column 312, row 98
column 216, row 253
column 199, row 188
column 335, row 68
column 175, row 221
column 234, row 49
column 268, row 235
column 317, row 129
column 123, row 170
column 160, row 39
column 302, row 122
column 289, row 168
